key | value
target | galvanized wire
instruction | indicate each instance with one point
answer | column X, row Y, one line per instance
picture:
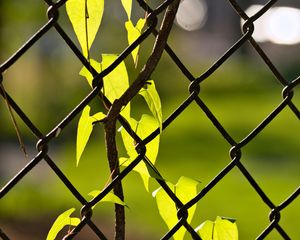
column 236, row 149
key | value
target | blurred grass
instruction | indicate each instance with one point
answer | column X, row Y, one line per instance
column 192, row 147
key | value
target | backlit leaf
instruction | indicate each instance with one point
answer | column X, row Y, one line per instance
column 85, row 16
column 143, row 128
column 133, row 33
column 115, row 83
column 166, row 207
column 152, row 98
column 225, row 229
column 205, row 230
column 110, row 197
column 86, row 73
column 127, row 4
column 84, row 130
column 62, row 220
column 220, row 229
column 185, row 190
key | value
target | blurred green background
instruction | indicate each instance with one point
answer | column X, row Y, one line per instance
column 241, row 93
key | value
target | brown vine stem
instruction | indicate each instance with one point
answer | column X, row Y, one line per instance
column 114, row 111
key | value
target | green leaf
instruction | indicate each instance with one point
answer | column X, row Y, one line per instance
column 166, row 207
column 127, row 5
column 225, row 229
column 152, row 172
column 86, row 20
column 84, row 130
column 62, row 220
column 152, row 98
column 115, row 83
column 133, row 33
column 205, row 230
column 185, row 190
column 86, row 73
column 110, row 197
column 143, row 128
column 143, row 169
column 220, row 229
column 97, row 117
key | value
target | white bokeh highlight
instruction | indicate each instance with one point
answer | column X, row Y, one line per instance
column 279, row 25
column 191, row 14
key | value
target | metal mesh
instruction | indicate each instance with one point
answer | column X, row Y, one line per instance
column 236, row 149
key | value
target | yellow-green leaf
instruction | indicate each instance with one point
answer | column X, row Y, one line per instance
column 85, row 16
column 133, row 33
column 225, row 229
column 205, row 230
column 143, row 128
column 220, row 229
column 110, row 197
column 127, row 5
column 115, row 83
column 97, row 117
column 86, row 73
column 62, row 220
column 166, row 207
column 84, row 130
column 185, row 190
column 152, row 98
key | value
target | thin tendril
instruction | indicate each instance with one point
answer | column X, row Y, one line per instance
column 22, row 145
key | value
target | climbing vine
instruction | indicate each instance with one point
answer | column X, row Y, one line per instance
column 85, row 17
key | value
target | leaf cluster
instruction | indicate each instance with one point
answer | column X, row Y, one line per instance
column 86, row 16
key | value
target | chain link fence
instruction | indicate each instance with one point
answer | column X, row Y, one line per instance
column 236, row 149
